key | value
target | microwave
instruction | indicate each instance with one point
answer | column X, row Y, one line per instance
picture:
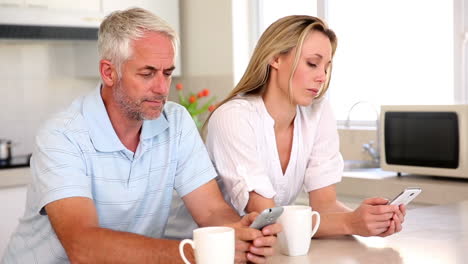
column 424, row 139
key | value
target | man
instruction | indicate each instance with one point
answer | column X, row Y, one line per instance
column 103, row 171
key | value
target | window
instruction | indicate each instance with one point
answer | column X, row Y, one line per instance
column 389, row 51
column 254, row 17
column 272, row 10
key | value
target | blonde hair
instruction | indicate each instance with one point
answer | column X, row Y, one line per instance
column 119, row 28
column 278, row 39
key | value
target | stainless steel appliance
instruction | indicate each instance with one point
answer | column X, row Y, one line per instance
column 5, row 149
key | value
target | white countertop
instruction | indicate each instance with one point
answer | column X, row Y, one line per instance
column 375, row 182
column 433, row 234
column 357, row 184
column 14, row 177
column 366, row 183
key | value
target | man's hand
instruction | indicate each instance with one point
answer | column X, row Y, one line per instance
column 375, row 218
column 251, row 244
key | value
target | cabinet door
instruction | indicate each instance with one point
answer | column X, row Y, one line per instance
column 12, row 208
column 11, row 3
column 82, row 5
column 36, row 3
column 166, row 9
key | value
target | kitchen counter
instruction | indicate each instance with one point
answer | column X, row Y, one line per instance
column 14, row 177
column 355, row 184
column 375, row 182
column 364, row 183
column 433, row 234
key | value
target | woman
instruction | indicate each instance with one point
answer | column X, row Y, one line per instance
column 275, row 133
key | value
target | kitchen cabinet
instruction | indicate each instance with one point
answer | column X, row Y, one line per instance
column 13, row 186
column 82, row 14
column 11, row 2
column 168, row 10
column 11, row 210
column 36, row 3
column 84, row 5
column 86, row 53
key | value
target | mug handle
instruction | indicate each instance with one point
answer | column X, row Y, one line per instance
column 317, row 223
column 181, row 249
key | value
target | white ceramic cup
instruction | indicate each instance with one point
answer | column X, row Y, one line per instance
column 297, row 232
column 212, row 245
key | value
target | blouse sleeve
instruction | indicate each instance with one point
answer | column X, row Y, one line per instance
column 232, row 145
column 325, row 165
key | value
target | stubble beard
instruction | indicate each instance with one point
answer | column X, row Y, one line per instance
column 133, row 107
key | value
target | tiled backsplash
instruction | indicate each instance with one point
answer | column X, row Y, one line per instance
column 351, row 141
column 37, row 78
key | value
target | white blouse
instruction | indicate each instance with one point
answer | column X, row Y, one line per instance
column 242, row 145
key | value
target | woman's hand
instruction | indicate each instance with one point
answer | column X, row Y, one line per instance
column 375, row 218
column 397, row 221
column 251, row 244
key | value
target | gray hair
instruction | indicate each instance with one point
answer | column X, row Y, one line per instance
column 119, row 28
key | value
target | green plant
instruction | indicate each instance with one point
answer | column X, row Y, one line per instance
column 191, row 103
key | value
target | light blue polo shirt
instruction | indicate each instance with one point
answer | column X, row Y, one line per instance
column 78, row 153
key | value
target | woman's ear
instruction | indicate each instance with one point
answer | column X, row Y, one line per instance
column 275, row 62
column 108, row 73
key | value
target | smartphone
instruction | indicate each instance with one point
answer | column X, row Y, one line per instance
column 406, row 196
column 267, row 217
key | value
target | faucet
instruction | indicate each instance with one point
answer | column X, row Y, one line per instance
column 374, row 152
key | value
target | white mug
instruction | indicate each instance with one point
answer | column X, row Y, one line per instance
column 212, row 245
column 297, row 232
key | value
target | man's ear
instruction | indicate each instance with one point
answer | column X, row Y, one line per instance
column 275, row 62
column 108, row 73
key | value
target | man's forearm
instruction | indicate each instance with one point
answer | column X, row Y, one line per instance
column 221, row 216
column 100, row 245
column 208, row 207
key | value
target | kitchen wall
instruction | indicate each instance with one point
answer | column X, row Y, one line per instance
column 352, row 139
column 206, row 47
column 38, row 78
column 208, row 60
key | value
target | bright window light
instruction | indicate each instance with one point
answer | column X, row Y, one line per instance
column 391, row 52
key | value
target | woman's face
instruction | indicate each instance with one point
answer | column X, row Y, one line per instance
column 311, row 71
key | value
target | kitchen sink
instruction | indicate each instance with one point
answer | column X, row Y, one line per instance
column 352, row 165
column 365, row 169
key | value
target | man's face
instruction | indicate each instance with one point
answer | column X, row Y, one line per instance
column 143, row 86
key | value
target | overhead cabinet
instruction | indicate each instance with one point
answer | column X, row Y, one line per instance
column 72, row 19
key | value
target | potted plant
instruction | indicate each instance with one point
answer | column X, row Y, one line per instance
column 193, row 103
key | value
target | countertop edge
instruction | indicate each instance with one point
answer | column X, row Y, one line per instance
column 15, row 177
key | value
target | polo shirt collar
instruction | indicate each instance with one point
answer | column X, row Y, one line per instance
column 152, row 128
column 102, row 132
